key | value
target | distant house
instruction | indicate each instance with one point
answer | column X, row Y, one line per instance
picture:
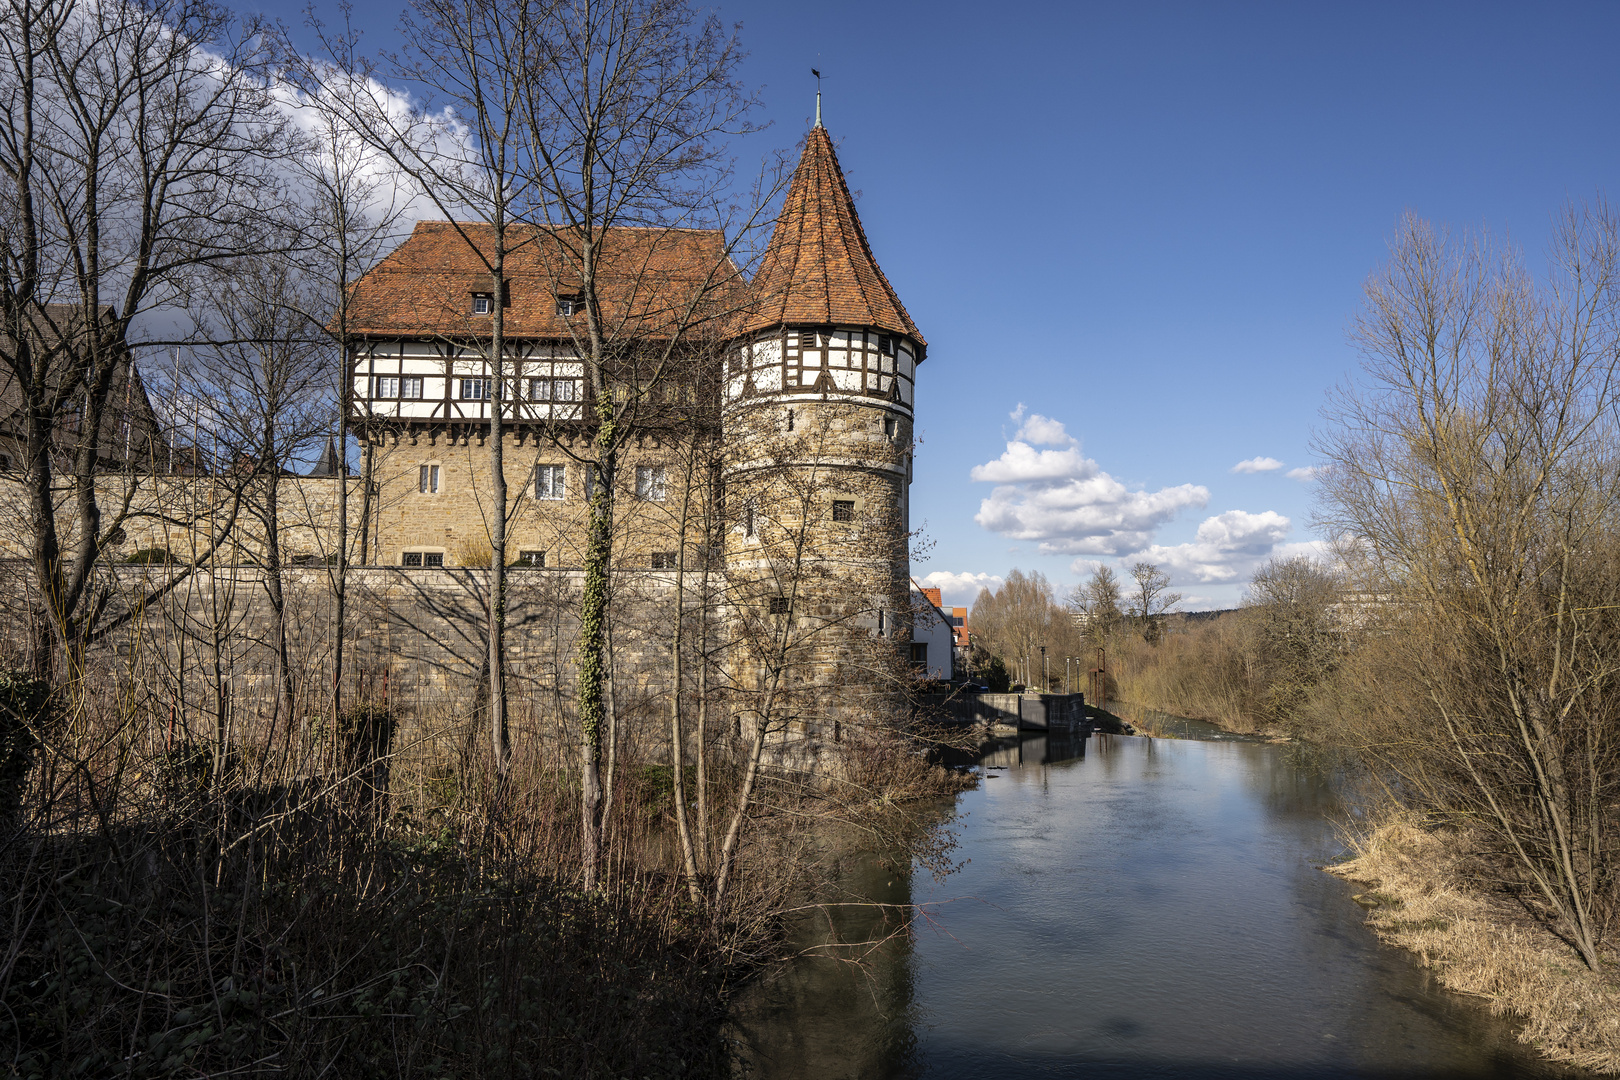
column 933, row 637
column 129, row 435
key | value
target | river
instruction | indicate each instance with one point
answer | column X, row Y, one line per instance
column 1129, row 907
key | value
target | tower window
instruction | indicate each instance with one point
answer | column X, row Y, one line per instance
column 427, row 480
column 550, row 481
column 885, row 344
column 482, row 303
column 533, row 560
column 663, row 560
column 779, row 605
column 890, row 425
column 790, row 420
column 748, row 520
column 651, row 483
column 882, row 622
column 843, row 510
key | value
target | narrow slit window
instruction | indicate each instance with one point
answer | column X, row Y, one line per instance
column 427, row 482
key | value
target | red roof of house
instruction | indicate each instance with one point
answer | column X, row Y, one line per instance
column 819, row 267
column 647, row 282
column 933, row 596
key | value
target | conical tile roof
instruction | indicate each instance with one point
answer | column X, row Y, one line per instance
column 819, row 268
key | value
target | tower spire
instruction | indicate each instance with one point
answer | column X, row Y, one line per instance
column 817, row 74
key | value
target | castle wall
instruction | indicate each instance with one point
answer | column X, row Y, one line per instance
column 454, row 520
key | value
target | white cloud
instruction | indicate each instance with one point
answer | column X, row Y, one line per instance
column 1227, row 547
column 1065, row 500
column 1304, row 474
column 1258, row 465
column 960, row 589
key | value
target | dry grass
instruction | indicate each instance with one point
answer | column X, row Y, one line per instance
column 1485, row 946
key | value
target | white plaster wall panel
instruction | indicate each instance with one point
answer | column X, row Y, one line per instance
column 421, row 348
column 905, row 392
column 575, row 370
column 883, row 383
column 888, row 365
column 906, row 367
column 768, row 379
column 766, row 353
column 734, row 388
column 847, row 380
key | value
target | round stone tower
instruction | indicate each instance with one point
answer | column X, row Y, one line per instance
column 819, row 376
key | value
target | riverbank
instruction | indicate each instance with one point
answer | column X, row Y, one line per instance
column 1483, row 946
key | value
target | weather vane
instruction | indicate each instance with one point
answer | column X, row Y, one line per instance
column 817, row 74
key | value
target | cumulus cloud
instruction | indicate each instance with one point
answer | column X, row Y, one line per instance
column 1065, row 501
column 1227, row 547
column 1258, row 465
column 960, row 589
column 1304, row 474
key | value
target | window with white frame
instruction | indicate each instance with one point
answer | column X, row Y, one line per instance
column 482, row 304
column 475, row 389
column 387, row 386
column 550, row 481
column 569, row 306
column 651, row 483
column 410, row 386
column 427, row 480
column 542, row 389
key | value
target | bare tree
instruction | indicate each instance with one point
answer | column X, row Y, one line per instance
column 1473, row 469
column 1098, row 601
column 260, row 370
column 356, row 205
column 135, row 149
column 464, row 143
column 1151, row 599
column 630, row 109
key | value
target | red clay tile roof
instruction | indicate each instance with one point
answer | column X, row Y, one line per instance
column 819, row 267
column 646, row 279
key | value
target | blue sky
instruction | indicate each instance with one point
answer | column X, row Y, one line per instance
column 1135, row 235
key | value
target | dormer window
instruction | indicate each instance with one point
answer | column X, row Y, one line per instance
column 483, row 304
column 569, row 306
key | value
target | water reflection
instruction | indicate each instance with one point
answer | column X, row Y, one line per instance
column 1131, row 908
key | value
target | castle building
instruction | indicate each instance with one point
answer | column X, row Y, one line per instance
column 817, row 344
